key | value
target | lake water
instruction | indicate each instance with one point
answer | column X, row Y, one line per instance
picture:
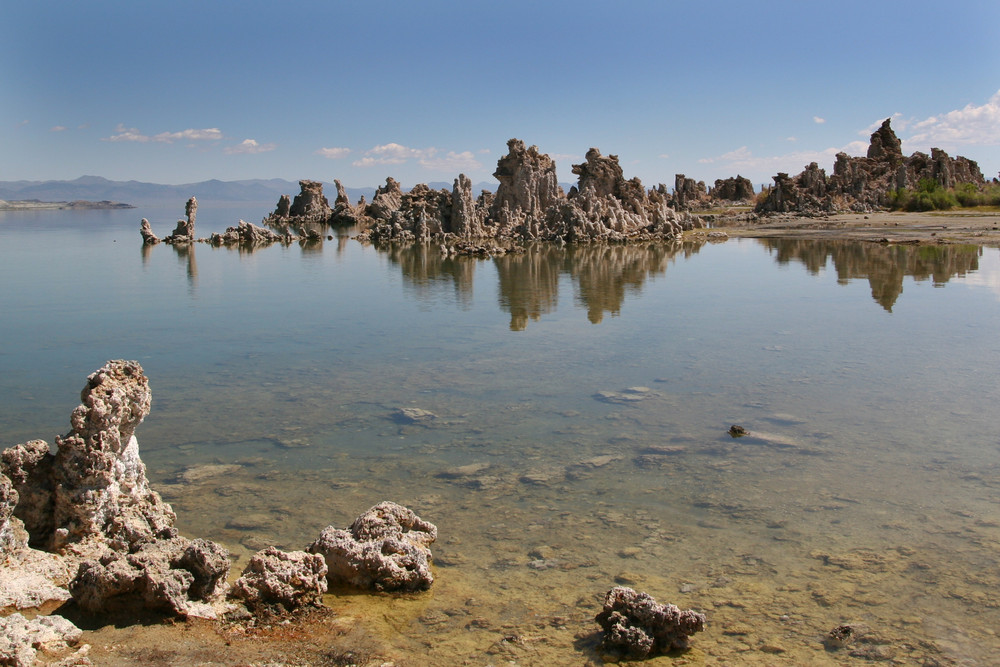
column 581, row 399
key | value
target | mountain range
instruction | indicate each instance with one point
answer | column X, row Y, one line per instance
column 96, row 188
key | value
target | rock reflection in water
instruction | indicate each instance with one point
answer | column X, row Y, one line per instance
column 602, row 275
column 426, row 271
column 883, row 265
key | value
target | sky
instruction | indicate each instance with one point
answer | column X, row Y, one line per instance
column 180, row 92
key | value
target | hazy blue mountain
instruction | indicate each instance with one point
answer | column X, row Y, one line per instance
column 96, row 188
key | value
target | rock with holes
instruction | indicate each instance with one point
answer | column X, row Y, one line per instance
column 637, row 626
column 386, row 549
column 276, row 580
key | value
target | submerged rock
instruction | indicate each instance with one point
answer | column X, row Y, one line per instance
column 637, row 626
column 275, row 578
column 387, row 549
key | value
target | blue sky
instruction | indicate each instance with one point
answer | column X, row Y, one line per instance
column 178, row 92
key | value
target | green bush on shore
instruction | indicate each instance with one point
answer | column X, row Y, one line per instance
column 930, row 196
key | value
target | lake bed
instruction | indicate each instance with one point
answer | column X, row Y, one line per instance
column 576, row 405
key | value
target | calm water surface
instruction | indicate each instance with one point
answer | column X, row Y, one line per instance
column 580, row 402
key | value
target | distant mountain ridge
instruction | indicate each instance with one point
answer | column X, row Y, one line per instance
column 97, row 188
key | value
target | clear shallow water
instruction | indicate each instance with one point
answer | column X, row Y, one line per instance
column 866, row 374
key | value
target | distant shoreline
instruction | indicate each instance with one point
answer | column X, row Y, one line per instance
column 34, row 204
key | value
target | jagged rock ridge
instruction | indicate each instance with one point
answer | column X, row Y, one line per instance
column 865, row 183
column 529, row 205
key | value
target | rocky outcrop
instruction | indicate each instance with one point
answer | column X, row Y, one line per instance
column 175, row 576
column 12, row 534
column 737, row 189
column 310, row 206
column 90, row 504
column 688, row 193
column 636, row 626
column 276, row 581
column 386, row 549
column 148, row 237
column 344, row 213
column 248, row 235
column 528, row 183
column 864, row 184
column 184, row 231
column 21, row 639
column 529, row 205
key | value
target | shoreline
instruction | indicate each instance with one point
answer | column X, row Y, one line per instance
column 82, row 205
column 966, row 226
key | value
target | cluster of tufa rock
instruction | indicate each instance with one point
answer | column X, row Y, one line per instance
column 248, row 235
column 864, row 184
column 637, row 626
column 83, row 523
column 528, row 205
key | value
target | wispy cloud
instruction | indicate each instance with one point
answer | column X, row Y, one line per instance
column 818, row 120
column 249, row 147
column 334, row 153
column 452, row 161
column 123, row 133
column 971, row 125
column 57, row 128
column 566, row 158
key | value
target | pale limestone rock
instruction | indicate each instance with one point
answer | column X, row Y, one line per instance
column 91, row 502
column 387, row 549
column 276, row 579
column 247, row 235
column 175, row 576
column 21, row 639
column 528, row 182
column 148, row 237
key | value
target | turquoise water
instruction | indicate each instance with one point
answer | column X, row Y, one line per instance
column 867, row 492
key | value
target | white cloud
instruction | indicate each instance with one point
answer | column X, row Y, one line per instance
column 791, row 138
column 971, row 125
column 393, row 153
column 663, row 155
column 464, row 161
column 566, row 157
column 57, row 128
column 209, row 134
column 123, row 133
column 334, row 153
column 249, row 147
column 818, row 120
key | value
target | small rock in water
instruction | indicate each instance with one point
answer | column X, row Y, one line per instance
column 469, row 470
column 199, row 473
column 630, row 395
column 414, row 416
column 738, row 431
